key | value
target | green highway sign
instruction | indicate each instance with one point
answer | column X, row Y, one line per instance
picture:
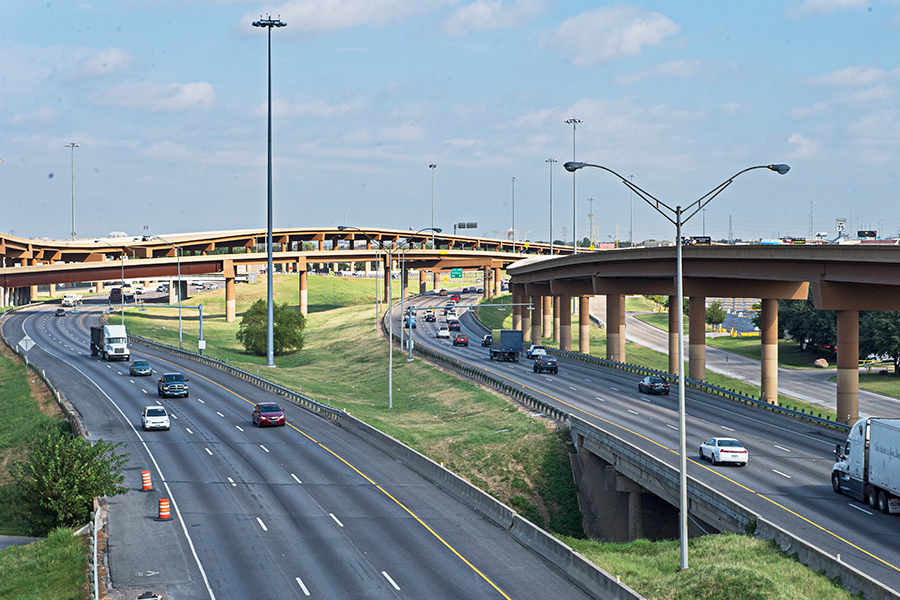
column 455, row 273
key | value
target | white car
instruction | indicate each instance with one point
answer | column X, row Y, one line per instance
column 724, row 450
column 535, row 350
column 154, row 417
column 443, row 332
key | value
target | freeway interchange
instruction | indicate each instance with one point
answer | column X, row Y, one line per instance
column 307, row 510
column 311, row 511
column 787, row 480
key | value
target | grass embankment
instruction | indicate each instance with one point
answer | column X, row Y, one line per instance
column 479, row 435
column 484, row 438
column 55, row 567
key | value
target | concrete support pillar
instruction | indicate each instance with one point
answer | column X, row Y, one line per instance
column 230, row 300
column 33, row 290
column 422, row 281
column 304, row 300
column 173, row 291
column 565, row 323
column 404, row 283
column 674, row 367
column 537, row 319
column 556, row 319
column 367, row 265
column 498, row 285
column 584, row 324
column 387, row 278
column 486, row 280
column 321, row 245
column 615, row 327
column 436, row 280
column 547, row 325
column 768, row 333
column 697, row 339
column 635, row 516
column 517, row 306
column 847, row 366
column 526, row 321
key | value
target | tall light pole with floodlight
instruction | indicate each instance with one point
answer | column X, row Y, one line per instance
column 550, row 161
column 269, row 23
column 432, row 166
column 678, row 218
column 73, row 145
column 591, row 221
column 513, row 179
column 574, row 123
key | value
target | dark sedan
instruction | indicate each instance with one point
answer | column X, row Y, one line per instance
column 453, row 324
column 653, row 385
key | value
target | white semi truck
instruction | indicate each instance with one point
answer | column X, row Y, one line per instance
column 110, row 342
column 71, row 300
column 868, row 464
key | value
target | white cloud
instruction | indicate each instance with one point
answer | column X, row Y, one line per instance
column 850, row 76
column 319, row 109
column 605, row 34
column 805, row 112
column 101, row 63
column 676, row 69
column 818, row 8
column 44, row 114
column 491, row 15
column 877, row 93
column 731, row 108
column 150, row 97
column 805, row 147
column 306, row 18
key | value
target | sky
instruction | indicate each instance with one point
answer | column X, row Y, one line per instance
column 167, row 101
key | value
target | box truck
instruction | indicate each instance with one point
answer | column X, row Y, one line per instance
column 110, row 342
column 506, row 344
column 868, row 464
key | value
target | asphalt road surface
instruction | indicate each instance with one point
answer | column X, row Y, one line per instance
column 787, row 480
column 306, row 510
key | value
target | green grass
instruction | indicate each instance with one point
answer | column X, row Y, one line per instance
column 722, row 567
column 52, row 568
column 23, row 419
column 474, row 432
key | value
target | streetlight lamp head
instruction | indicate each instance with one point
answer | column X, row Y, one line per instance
column 780, row 169
column 433, row 166
column 571, row 167
column 342, row 227
column 437, row 230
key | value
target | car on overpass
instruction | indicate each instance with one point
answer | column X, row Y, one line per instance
column 724, row 450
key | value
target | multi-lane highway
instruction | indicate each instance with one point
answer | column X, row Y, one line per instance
column 306, row 510
column 787, row 480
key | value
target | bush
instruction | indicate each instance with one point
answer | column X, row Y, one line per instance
column 287, row 329
column 61, row 476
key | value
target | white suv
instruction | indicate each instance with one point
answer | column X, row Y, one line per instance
column 535, row 351
column 154, row 417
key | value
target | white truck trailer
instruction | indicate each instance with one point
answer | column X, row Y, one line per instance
column 868, row 464
column 110, row 342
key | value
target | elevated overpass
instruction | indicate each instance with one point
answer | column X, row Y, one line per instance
column 846, row 279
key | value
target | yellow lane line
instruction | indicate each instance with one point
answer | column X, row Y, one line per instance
column 813, row 523
column 364, row 476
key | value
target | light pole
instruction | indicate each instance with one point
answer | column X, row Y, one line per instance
column 388, row 253
column 591, row 221
column 574, row 123
column 269, row 23
column 432, row 166
column 178, row 261
column 679, row 219
column 550, row 161
column 631, row 234
column 73, row 145
column 513, row 179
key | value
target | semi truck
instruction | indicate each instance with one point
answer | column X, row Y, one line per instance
column 506, row 344
column 110, row 342
column 868, row 464
column 71, row 300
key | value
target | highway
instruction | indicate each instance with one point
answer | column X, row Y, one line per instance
column 303, row 511
column 787, row 480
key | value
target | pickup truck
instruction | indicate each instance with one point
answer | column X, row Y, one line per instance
column 172, row 384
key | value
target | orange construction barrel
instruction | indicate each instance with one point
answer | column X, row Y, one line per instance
column 146, row 482
column 163, row 510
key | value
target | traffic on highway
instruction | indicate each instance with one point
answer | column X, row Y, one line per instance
column 301, row 510
column 788, row 480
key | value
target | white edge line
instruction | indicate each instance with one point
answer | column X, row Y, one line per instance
column 859, row 509
column 296, row 479
column 391, row 581
column 302, row 587
column 162, row 477
column 261, row 524
column 336, row 520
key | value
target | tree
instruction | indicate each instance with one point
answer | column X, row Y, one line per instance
column 715, row 314
column 287, row 329
column 879, row 334
column 61, row 476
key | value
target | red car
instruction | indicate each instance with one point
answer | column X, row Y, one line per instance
column 461, row 339
column 268, row 413
column 455, row 297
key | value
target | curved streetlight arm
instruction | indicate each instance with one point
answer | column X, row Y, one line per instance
column 679, row 215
